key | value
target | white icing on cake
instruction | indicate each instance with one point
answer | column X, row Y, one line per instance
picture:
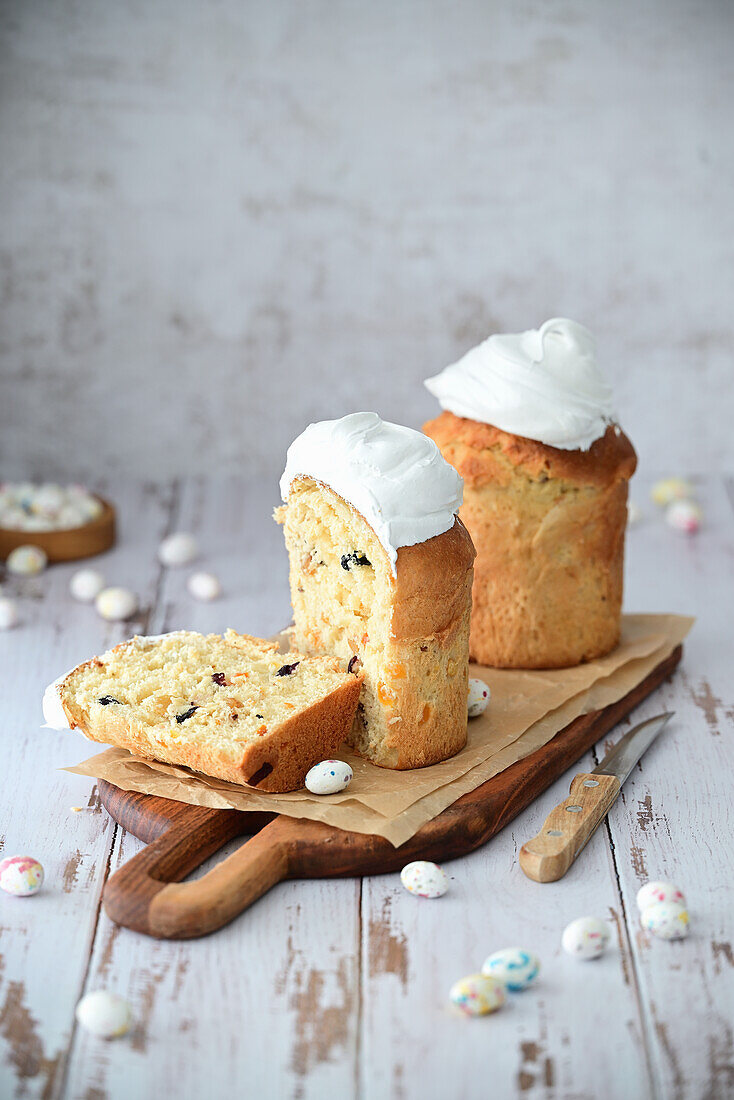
column 543, row 384
column 395, row 477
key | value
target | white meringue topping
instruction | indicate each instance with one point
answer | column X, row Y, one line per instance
column 543, row 384
column 395, row 477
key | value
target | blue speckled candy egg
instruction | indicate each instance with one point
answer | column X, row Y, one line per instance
column 514, row 967
column 329, row 777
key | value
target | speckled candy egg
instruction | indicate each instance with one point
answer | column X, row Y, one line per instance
column 653, row 892
column 478, row 697
column 667, row 490
column 329, row 777
column 666, row 919
column 585, row 938
column 684, row 515
column 116, row 603
column 424, row 879
column 204, row 586
column 105, row 1014
column 8, row 613
column 515, row 968
column 86, row 584
column 477, row 995
column 178, row 549
column 21, row 876
column 26, row 561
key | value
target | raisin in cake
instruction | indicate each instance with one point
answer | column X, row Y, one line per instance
column 230, row 706
column 381, row 574
column 528, row 422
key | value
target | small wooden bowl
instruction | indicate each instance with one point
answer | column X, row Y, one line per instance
column 69, row 544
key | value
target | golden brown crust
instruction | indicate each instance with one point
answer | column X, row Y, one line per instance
column 432, row 582
column 431, row 699
column 549, row 530
column 482, row 453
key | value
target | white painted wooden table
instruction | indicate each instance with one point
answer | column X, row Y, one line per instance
column 339, row 988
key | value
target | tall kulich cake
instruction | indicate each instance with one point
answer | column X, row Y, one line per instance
column 529, row 425
column 381, row 576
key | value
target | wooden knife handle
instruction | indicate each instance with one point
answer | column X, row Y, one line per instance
column 566, row 830
column 146, row 893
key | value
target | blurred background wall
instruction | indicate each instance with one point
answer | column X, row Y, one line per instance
column 220, row 220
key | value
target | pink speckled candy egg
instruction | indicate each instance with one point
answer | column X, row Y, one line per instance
column 585, row 938
column 653, row 892
column 21, row 876
column 666, row 919
column 478, row 697
column 684, row 515
column 477, row 995
column 424, row 879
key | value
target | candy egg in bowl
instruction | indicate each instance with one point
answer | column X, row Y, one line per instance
column 65, row 523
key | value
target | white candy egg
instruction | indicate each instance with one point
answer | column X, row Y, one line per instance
column 178, row 549
column 116, row 603
column 204, row 586
column 669, row 489
column 634, row 514
column 48, row 499
column 86, row 584
column 478, row 697
column 21, row 876
column 585, row 938
column 684, row 515
column 71, row 515
column 653, row 892
column 105, row 1014
column 26, row 561
column 666, row 919
column 477, row 995
column 8, row 613
column 515, row 968
column 424, row 879
column 329, row 777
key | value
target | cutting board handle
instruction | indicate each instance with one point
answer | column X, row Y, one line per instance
column 147, row 894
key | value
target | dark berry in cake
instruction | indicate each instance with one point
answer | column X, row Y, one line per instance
column 186, row 713
column 286, row 670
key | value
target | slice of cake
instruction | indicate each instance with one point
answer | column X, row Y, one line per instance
column 230, row 706
column 381, row 576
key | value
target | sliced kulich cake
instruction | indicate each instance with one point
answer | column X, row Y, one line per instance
column 381, row 575
column 230, row 706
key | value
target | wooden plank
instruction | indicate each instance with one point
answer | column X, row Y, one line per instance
column 46, row 940
column 675, row 818
column 577, row 1026
column 271, row 1001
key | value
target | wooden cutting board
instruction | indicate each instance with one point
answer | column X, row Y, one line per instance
column 148, row 894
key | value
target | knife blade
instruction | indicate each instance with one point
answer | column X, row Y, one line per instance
column 570, row 826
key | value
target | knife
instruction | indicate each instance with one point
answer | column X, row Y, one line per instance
column 569, row 827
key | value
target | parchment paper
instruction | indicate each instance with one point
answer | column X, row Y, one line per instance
column 526, row 710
